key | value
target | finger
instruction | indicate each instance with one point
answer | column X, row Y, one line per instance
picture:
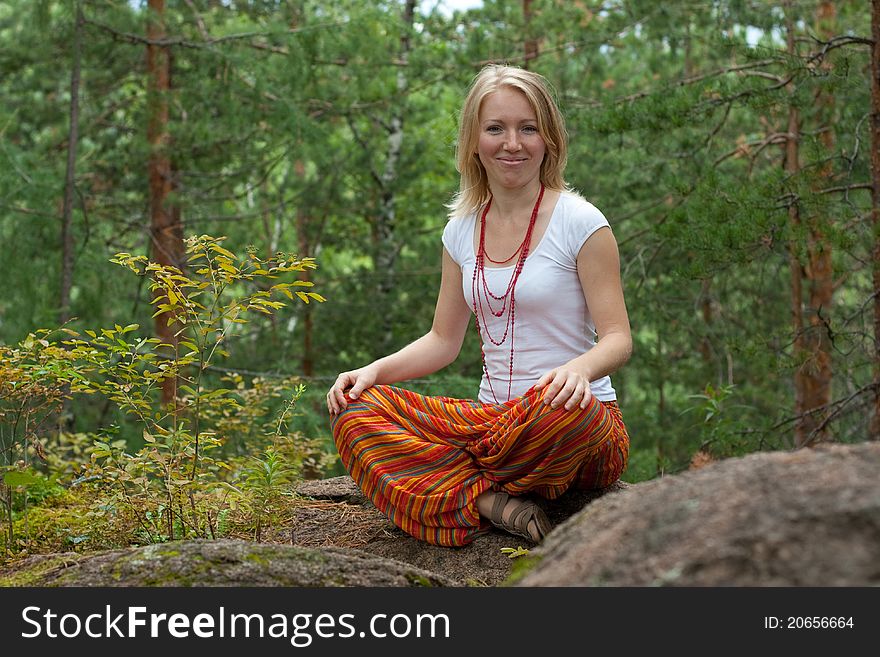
column 341, row 401
column 336, row 398
column 333, row 401
column 588, row 393
column 553, row 388
column 329, row 400
column 576, row 395
column 564, row 393
column 356, row 390
column 544, row 380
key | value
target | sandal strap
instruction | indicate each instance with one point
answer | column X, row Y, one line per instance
column 522, row 515
column 497, row 517
column 517, row 523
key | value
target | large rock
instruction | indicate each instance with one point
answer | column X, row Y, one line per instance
column 347, row 517
column 804, row 518
column 218, row 563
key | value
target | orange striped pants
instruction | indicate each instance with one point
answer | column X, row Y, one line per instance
column 424, row 460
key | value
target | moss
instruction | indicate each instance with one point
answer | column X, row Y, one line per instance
column 334, row 581
column 418, row 580
column 258, row 559
column 521, row 567
column 35, row 574
column 303, row 555
column 475, row 583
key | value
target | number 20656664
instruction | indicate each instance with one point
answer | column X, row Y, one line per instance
column 808, row 622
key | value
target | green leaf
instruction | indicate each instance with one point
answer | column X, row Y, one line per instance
column 221, row 250
column 215, row 393
column 18, row 478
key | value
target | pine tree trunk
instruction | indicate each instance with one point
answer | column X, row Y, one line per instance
column 386, row 240
column 811, row 429
column 791, row 164
column 531, row 43
column 165, row 226
column 875, row 204
column 70, row 177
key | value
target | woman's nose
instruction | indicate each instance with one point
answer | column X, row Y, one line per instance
column 511, row 143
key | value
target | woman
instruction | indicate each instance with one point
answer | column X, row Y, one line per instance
column 538, row 267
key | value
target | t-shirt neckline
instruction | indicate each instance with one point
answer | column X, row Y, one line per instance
column 531, row 252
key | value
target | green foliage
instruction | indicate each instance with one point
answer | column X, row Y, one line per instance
column 177, row 484
column 262, row 487
column 36, row 377
column 516, row 552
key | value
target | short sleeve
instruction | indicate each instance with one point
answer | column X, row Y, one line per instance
column 584, row 220
column 454, row 239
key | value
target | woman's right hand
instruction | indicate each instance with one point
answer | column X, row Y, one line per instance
column 355, row 381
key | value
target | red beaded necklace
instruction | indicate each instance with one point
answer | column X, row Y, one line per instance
column 482, row 296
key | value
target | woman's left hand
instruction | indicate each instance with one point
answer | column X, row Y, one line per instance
column 565, row 386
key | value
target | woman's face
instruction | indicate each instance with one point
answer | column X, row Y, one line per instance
column 510, row 147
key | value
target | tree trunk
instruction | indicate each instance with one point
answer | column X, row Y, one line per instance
column 811, row 428
column 386, row 242
column 875, row 205
column 531, row 43
column 69, row 181
column 165, row 226
column 791, row 165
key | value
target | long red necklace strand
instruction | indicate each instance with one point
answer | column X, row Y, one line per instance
column 480, row 292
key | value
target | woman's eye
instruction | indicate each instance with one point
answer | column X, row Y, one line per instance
column 493, row 129
column 530, row 129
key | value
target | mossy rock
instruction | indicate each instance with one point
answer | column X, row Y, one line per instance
column 218, row 563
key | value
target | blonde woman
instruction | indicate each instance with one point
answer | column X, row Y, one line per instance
column 537, row 267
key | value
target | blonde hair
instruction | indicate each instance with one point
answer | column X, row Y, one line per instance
column 473, row 189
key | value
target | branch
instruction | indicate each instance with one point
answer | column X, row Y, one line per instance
column 704, row 76
column 210, row 41
column 775, row 138
column 840, row 405
column 367, row 149
column 846, row 188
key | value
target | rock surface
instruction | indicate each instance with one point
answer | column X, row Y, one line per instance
column 804, row 518
column 218, row 563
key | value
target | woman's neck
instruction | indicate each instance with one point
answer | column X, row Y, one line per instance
column 515, row 205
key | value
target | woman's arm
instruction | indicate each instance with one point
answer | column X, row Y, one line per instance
column 431, row 352
column 598, row 265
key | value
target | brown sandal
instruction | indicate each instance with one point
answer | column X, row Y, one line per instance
column 518, row 522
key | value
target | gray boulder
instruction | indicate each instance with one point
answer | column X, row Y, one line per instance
column 804, row 518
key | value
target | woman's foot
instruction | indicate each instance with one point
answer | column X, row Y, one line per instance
column 514, row 515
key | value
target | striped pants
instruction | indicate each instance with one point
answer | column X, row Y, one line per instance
column 424, row 460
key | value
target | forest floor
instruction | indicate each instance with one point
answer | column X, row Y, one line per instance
column 324, row 523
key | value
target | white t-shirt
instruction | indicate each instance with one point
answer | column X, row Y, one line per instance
column 553, row 323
